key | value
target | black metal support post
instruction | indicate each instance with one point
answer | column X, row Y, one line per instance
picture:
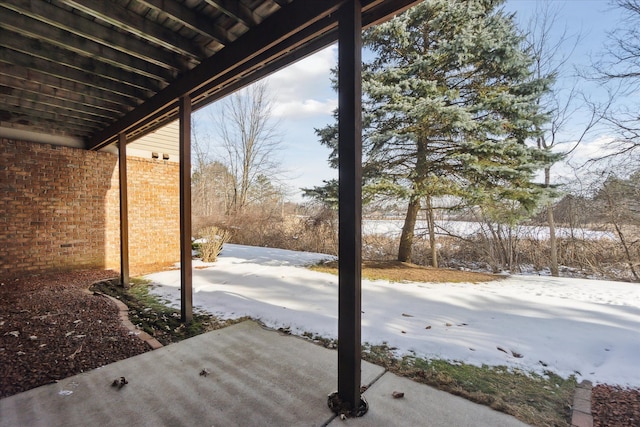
column 124, row 210
column 350, row 202
column 186, row 276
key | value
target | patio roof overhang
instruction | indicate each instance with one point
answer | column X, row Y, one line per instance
column 93, row 73
column 89, row 70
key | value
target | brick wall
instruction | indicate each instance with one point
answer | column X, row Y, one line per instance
column 59, row 210
column 154, row 214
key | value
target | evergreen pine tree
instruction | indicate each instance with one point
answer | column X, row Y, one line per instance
column 449, row 103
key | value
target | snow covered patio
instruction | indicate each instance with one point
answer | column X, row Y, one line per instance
column 243, row 375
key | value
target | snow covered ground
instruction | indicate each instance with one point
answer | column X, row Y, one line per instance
column 569, row 326
column 393, row 228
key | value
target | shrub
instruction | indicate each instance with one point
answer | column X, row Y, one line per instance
column 313, row 230
column 213, row 239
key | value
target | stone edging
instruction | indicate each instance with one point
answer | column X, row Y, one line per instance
column 123, row 313
column 581, row 416
column 124, row 318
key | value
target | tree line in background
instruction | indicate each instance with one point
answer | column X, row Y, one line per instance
column 242, row 172
column 461, row 110
column 238, row 185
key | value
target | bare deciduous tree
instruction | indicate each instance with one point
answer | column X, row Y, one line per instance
column 560, row 103
column 620, row 208
column 248, row 141
column 619, row 67
column 211, row 181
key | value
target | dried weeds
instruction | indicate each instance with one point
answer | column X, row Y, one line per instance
column 396, row 271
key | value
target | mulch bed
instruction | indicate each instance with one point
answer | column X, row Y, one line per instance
column 614, row 406
column 52, row 327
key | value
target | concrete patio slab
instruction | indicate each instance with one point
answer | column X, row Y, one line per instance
column 256, row 377
column 243, row 375
column 423, row 406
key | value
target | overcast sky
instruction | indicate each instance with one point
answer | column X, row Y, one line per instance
column 305, row 100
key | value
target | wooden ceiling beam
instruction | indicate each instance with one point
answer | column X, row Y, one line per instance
column 24, row 112
column 20, row 77
column 27, row 26
column 62, row 71
column 277, row 28
column 83, row 27
column 48, row 102
column 191, row 19
column 255, row 71
column 13, row 85
column 236, row 10
column 264, row 65
column 12, row 102
column 90, row 67
column 51, row 130
column 291, row 28
column 123, row 18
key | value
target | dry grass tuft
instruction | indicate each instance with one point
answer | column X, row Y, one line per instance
column 396, row 271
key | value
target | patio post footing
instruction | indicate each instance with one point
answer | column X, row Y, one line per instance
column 343, row 408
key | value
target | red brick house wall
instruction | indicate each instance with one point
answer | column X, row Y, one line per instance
column 59, row 210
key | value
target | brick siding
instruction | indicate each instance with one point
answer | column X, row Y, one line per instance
column 154, row 214
column 59, row 210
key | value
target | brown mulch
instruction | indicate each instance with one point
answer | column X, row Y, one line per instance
column 614, row 406
column 52, row 327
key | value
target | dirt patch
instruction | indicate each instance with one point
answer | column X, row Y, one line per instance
column 396, row 271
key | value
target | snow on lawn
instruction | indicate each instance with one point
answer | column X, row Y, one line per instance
column 569, row 326
column 393, row 228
